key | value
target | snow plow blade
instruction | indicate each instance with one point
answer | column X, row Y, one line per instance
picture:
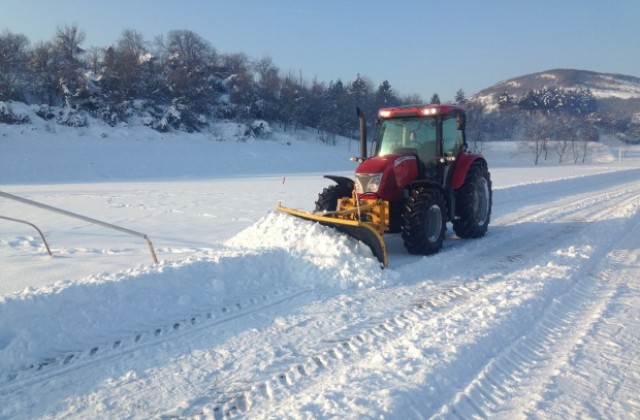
column 358, row 230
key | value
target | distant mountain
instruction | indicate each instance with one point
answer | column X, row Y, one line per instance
column 602, row 85
column 615, row 92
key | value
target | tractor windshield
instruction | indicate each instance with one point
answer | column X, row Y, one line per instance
column 408, row 135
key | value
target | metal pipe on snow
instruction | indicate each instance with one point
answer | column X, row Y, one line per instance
column 46, row 245
column 83, row 218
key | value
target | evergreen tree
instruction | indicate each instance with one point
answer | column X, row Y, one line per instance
column 505, row 100
column 360, row 92
column 460, row 98
column 363, row 97
column 435, row 99
column 385, row 96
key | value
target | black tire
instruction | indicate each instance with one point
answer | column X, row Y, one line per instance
column 473, row 203
column 424, row 221
column 395, row 216
column 328, row 198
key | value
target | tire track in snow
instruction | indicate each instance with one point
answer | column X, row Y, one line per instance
column 46, row 369
column 566, row 206
column 608, row 376
column 359, row 343
column 534, row 356
column 512, row 379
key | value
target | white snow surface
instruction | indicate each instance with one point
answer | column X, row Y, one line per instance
column 251, row 313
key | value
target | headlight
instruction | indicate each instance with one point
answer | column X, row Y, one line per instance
column 374, row 183
column 368, row 183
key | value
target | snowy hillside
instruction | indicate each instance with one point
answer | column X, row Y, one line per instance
column 615, row 98
column 602, row 85
column 255, row 314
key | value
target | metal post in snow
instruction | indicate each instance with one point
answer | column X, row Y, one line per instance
column 620, row 153
column 282, row 191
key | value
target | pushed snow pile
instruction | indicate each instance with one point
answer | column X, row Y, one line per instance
column 336, row 260
column 278, row 252
column 68, row 316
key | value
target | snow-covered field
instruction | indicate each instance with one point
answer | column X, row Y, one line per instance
column 255, row 314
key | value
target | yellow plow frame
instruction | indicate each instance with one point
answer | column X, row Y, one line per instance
column 363, row 219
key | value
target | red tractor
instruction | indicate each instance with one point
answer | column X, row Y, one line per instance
column 420, row 177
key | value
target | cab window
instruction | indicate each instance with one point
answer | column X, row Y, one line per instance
column 451, row 136
column 407, row 133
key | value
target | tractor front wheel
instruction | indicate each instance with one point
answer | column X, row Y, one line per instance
column 424, row 221
column 328, row 198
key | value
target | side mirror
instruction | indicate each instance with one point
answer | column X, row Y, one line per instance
column 460, row 122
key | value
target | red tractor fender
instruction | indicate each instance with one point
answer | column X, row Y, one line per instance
column 465, row 160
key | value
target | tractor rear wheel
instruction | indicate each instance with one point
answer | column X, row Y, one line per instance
column 424, row 221
column 473, row 203
column 328, row 198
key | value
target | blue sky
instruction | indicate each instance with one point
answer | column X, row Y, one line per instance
column 421, row 47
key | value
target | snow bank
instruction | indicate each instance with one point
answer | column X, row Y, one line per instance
column 335, row 259
column 278, row 252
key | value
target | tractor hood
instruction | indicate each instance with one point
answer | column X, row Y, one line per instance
column 386, row 176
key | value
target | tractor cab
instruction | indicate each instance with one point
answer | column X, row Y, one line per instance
column 434, row 134
column 414, row 144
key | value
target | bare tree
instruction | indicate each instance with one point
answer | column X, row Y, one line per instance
column 538, row 134
column 507, row 117
column 268, row 84
column 231, row 64
column 43, row 74
column 132, row 43
column 477, row 125
column 126, row 63
column 587, row 132
column 93, row 58
column 67, row 64
column 235, row 70
column 67, row 42
column 413, row 98
column 188, row 61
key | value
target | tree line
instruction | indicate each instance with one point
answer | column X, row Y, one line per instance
column 178, row 81
column 553, row 122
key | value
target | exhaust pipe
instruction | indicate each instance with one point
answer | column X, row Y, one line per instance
column 363, row 133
